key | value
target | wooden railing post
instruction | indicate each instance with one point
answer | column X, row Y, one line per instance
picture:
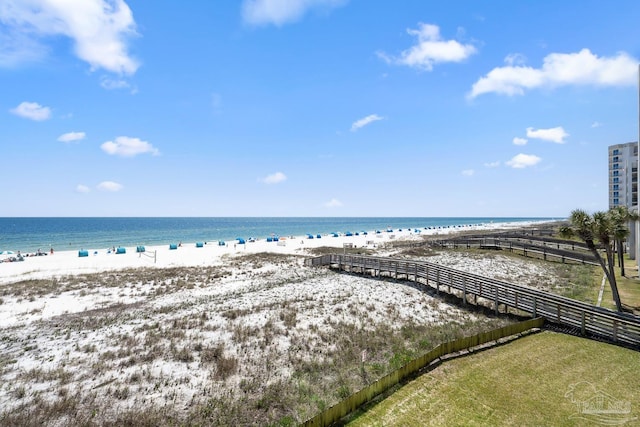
column 464, row 291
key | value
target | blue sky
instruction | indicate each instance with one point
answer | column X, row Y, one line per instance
column 313, row 107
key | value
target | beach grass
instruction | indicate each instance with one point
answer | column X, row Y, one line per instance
column 257, row 340
column 532, row 381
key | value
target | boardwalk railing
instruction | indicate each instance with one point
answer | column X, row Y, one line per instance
column 588, row 319
column 356, row 400
column 564, row 251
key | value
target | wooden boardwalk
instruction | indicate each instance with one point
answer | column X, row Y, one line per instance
column 542, row 248
column 584, row 318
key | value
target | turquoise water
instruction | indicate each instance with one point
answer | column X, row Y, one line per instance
column 31, row 234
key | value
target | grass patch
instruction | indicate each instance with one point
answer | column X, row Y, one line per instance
column 527, row 382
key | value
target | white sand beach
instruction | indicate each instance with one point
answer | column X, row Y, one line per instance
column 151, row 333
column 64, row 263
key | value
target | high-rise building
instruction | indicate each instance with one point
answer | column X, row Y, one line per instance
column 623, row 175
column 623, row 187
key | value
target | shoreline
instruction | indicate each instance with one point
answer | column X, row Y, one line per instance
column 96, row 260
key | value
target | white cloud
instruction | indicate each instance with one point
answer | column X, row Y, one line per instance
column 492, row 164
column 515, row 59
column 559, row 69
column 109, row 186
column 519, row 141
column 112, row 84
column 333, row 203
column 365, row 121
column 521, row 161
column 32, row 110
column 468, row 172
column 556, row 134
column 596, row 124
column 100, row 30
column 430, row 49
column 128, row 147
column 274, row 178
column 82, row 188
column 280, row 12
column 72, row 136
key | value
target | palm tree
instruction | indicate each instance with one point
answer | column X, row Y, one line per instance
column 603, row 227
column 621, row 217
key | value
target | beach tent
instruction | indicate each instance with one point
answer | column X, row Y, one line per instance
column 140, row 249
column 309, row 236
column 364, row 233
column 348, row 234
column 269, row 239
column 199, row 244
column 319, row 236
column 121, row 250
column 240, row 240
column 221, row 243
column 83, row 253
column 173, row 246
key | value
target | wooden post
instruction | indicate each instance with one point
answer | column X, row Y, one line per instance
column 438, row 282
column 535, row 307
column 582, row 325
column 496, row 300
column 464, row 291
column 450, row 280
column 427, row 270
column 516, row 300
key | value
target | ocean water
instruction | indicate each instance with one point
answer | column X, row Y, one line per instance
column 31, row 234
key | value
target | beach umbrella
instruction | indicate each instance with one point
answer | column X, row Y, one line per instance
column 6, row 252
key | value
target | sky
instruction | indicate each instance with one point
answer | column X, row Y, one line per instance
column 313, row 107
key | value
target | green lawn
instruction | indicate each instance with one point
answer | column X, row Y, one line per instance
column 628, row 287
column 524, row 383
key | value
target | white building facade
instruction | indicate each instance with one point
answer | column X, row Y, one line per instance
column 623, row 183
